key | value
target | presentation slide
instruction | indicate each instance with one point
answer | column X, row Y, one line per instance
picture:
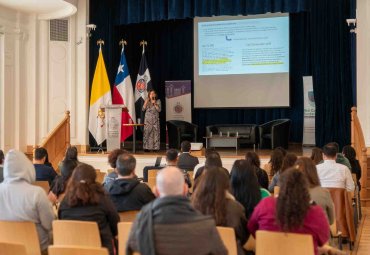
column 241, row 61
column 244, row 46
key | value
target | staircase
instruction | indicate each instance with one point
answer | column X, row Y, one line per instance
column 365, row 196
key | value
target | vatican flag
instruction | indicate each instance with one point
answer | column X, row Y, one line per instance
column 100, row 96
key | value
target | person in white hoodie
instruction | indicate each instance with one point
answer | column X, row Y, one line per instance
column 22, row 201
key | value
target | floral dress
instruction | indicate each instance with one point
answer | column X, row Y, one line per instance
column 151, row 139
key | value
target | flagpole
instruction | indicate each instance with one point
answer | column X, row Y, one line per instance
column 100, row 42
column 143, row 43
column 122, row 43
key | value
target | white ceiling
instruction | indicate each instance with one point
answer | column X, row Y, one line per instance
column 45, row 9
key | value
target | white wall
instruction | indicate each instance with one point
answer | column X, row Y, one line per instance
column 41, row 79
column 363, row 66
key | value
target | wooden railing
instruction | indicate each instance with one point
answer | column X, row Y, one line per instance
column 358, row 143
column 57, row 141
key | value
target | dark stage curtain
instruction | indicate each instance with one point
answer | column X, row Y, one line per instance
column 320, row 46
column 137, row 11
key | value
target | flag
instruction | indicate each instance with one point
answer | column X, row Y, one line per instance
column 100, row 95
column 123, row 94
column 143, row 84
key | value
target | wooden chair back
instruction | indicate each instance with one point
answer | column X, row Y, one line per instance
column 99, row 176
column 276, row 191
column 23, row 232
column 152, row 177
column 43, row 184
column 228, row 237
column 128, row 216
column 191, row 176
column 12, row 249
column 76, row 250
column 279, row 243
column 124, row 229
column 71, row 232
column 250, row 245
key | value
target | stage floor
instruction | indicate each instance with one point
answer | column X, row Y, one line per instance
column 228, row 156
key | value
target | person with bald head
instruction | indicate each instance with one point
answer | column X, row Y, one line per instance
column 173, row 223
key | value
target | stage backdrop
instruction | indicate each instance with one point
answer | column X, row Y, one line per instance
column 321, row 49
column 178, row 100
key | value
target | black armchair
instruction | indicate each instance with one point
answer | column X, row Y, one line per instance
column 275, row 134
column 179, row 131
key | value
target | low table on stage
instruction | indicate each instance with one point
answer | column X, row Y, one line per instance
column 133, row 125
column 222, row 141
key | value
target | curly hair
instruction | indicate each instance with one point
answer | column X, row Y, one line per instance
column 209, row 197
column 82, row 188
column 276, row 161
column 112, row 157
column 293, row 201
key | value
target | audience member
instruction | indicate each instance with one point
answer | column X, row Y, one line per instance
column 22, row 201
column 276, row 161
column 350, row 154
column 59, row 184
column 245, row 187
column 177, row 227
column 291, row 211
column 126, row 192
column 288, row 161
column 332, row 174
column 71, row 154
column 172, row 157
column 47, row 162
column 85, row 200
column 207, row 152
column 1, row 166
column 112, row 159
column 186, row 161
column 43, row 172
column 262, row 176
column 213, row 159
column 316, row 155
column 210, row 198
column 318, row 194
column 341, row 159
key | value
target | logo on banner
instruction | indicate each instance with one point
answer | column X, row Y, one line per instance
column 141, row 85
column 311, row 98
column 178, row 108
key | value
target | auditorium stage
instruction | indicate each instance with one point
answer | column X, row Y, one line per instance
column 228, row 156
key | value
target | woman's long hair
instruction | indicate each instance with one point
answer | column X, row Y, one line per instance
column 316, row 155
column 307, row 166
column 288, row 161
column 82, row 188
column 245, row 186
column 350, row 154
column 71, row 153
column 293, row 201
column 276, row 161
column 210, row 196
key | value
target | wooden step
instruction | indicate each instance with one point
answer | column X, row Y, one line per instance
column 365, row 202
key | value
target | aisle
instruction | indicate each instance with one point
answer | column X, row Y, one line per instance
column 364, row 232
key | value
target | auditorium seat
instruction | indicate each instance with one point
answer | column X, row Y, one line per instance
column 99, row 176
column 279, row 243
column 128, row 216
column 12, row 248
column 43, row 184
column 76, row 250
column 124, row 229
column 228, row 237
column 179, row 131
column 152, row 176
column 72, row 232
column 274, row 134
column 23, row 232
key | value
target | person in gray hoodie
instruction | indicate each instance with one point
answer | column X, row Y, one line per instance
column 22, row 201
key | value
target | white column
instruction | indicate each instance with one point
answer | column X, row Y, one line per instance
column 363, row 66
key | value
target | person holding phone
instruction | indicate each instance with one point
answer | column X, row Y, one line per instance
column 152, row 108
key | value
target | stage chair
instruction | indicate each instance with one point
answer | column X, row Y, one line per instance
column 44, row 185
column 21, row 232
column 128, row 216
column 275, row 134
column 228, row 237
column 12, row 249
column 179, row 131
column 71, row 232
column 152, row 176
column 279, row 243
column 124, row 229
column 76, row 250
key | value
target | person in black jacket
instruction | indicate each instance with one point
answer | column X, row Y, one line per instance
column 186, row 161
column 350, row 153
column 262, row 176
column 86, row 200
column 126, row 192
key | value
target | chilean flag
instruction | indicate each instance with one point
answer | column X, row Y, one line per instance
column 123, row 94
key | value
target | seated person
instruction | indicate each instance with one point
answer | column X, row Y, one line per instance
column 211, row 198
column 177, row 227
column 22, row 201
column 332, row 174
column 86, row 200
column 292, row 211
column 43, row 172
column 126, row 192
column 288, row 161
column 186, row 161
column 112, row 159
column 262, row 176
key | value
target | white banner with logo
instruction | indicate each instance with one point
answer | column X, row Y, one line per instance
column 309, row 112
column 113, row 114
column 178, row 100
